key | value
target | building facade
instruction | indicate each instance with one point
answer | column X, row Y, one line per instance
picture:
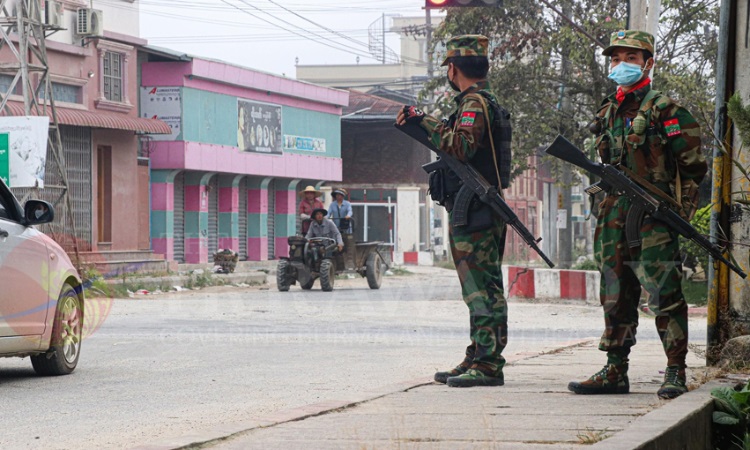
column 384, row 178
column 94, row 76
column 243, row 144
column 407, row 74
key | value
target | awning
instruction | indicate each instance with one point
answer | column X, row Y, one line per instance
column 99, row 119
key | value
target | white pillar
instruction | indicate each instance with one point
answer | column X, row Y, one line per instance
column 407, row 219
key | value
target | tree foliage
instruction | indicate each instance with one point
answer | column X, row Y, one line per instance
column 529, row 43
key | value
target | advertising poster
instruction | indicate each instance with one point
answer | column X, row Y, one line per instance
column 258, row 127
column 306, row 144
column 165, row 104
column 23, row 150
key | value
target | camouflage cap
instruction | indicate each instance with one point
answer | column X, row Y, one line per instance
column 630, row 39
column 466, row 45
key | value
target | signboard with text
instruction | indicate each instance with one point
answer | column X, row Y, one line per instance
column 306, row 144
column 165, row 104
column 258, row 127
column 23, row 150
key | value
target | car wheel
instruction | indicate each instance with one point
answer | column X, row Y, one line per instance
column 327, row 275
column 374, row 267
column 282, row 277
column 65, row 343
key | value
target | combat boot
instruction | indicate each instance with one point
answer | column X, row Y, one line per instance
column 674, row 383
column 612, row 379
column 442, row 377
column 475, row 377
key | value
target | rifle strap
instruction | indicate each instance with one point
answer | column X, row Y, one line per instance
column 650, row 187
column 489, row 131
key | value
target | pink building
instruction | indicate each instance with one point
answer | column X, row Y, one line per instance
column 243, row 144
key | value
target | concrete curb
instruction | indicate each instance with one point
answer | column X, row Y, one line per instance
column 552, row 284
column 182, row 280
column 226, row 432
column 684, row 423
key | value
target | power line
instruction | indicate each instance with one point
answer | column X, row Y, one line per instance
column 317, row 24
column 352, row 51
column 316, row 37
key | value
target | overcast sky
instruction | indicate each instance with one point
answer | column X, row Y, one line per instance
column 270, row 34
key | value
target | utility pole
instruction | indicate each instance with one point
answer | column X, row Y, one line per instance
column 644, row 15
column 637, row 19
column 565, row 225
column 428, row 42
column 26, row 19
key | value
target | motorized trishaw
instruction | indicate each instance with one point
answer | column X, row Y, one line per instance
column 310, row 259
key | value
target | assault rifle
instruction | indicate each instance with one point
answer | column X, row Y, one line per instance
column 642, row 202
column 473, row 183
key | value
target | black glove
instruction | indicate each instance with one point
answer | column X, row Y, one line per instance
column 413, row 115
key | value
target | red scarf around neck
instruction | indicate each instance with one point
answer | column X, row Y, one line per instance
column 620, row 96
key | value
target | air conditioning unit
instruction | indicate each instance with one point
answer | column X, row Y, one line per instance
column 54, row 13
column 89, row 22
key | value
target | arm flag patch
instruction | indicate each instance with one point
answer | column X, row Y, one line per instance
column 467, row 119
column 672, row 127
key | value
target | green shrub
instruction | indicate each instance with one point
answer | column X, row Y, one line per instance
column 730, row 417
column 587, row 264
column 693, row 253
column 695, row 292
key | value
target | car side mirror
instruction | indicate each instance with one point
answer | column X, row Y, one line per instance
column 37, row 212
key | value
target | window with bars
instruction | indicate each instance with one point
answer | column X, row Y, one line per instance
column 5, row 82
column 113, row 76
column 63, row 93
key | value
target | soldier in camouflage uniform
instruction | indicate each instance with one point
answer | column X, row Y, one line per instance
column 657, row 143
column 477, row 254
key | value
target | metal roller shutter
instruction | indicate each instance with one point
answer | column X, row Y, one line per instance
column 179, row 218
column 271, row 220
column 242, row 219
column 213, row 217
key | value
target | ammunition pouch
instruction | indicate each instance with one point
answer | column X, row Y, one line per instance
column 479, row 217
column 443, row 185
column 688, row 199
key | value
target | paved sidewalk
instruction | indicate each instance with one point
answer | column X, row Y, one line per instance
column 534, row 410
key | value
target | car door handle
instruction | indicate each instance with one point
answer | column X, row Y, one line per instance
column 3, row 234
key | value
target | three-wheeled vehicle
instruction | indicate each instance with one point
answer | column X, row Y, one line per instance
column 310, row 259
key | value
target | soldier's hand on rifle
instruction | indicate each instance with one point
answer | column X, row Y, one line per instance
column 409, row 114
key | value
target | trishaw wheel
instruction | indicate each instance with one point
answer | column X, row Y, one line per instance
column 374, row 267
column 327, row 274
column 282, row 277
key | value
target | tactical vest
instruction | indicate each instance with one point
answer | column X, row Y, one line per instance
column 483, row 161
column 638, row 143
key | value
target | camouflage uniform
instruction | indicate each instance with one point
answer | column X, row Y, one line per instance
column 478, row 255
column 659, row 141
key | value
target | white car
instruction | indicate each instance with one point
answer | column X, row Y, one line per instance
column 41, row 295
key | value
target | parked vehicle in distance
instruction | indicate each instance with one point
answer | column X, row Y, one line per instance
column 41, row 296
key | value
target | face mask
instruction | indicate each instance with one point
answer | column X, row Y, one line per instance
column 453, row 85
column 39, row 213
column 626, row 74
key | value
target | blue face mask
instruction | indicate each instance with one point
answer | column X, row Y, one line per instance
column 626, row 74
